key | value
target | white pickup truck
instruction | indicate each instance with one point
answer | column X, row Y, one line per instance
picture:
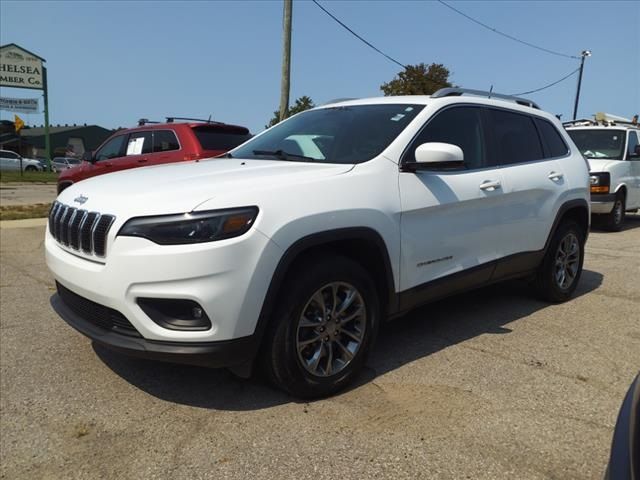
column 611, row 144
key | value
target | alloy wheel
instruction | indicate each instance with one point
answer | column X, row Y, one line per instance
column 331, row 329
column 567, row 261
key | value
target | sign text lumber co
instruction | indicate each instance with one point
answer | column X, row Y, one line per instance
column 20, row 68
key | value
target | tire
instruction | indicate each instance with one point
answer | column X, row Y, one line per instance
column 613, row 221
column 560, row 270
column 318, row 356
column 31, row 168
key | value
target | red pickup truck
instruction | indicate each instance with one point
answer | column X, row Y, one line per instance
column 153, row 144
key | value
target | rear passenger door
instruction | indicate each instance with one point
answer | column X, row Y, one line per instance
column 529, row 151
column 166, row 148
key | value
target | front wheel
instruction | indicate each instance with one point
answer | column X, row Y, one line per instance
column 613, row 221
column 323, row 329
column 31, row 168
column 559, row 273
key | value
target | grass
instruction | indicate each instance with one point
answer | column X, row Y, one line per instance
column 20, row 212
column 31, row 177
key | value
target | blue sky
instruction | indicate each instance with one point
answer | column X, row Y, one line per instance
column 111, row 63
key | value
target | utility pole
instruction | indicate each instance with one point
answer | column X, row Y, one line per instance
column 585, row 54
column 286, row 59
column 47, row 138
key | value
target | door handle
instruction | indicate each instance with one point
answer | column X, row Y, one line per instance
column 555, row 176
column 142, row 160
column 490, row 185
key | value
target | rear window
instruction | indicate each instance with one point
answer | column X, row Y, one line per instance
column 165, row 141
column 553, row 142
column 516, row 137
column 213, row 139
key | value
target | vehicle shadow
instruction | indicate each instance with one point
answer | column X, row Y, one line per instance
column 631, row 222
column 418, row 334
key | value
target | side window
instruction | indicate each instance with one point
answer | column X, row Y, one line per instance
column 516, row 137
column 461, row 126
column 633, row 150
column 10, row 155
column 553, row 143
column 139, row 143
column 111, row 149
column 165, row 141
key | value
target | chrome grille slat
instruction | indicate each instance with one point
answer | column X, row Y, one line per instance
column 93, row 232
column 79, row 229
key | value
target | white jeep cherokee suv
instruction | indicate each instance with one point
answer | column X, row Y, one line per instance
column 612, row 147
column 289, row 251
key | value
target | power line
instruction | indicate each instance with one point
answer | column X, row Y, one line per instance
column 433, row 79
column 369, row 44
column 505, row 34
column 547, row 86
column 358, row 36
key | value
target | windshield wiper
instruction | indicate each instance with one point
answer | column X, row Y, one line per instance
column 282, row 155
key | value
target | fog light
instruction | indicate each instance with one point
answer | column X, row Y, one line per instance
column 175, row 314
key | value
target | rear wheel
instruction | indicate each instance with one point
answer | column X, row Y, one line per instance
column 559, row 273
column 613, row 221
column 31, row 168
column 323, row 329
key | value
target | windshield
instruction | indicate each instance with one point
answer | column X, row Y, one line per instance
column 599, row 143
column 353, row 134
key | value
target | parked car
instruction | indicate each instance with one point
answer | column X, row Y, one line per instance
column 624, row 460
column 59, row 164
column 11, row 161
column 44, row 163
column 612, row 147
column 153, row 144
column 288, row 252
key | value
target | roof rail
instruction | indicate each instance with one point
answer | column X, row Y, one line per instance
column 143, row 121
column 173, row 119
column 456, row 92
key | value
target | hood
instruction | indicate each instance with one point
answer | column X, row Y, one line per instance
column 600, row 164
column 181, row 187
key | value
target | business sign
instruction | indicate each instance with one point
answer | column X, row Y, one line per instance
column 24, row 105
column 20, row 68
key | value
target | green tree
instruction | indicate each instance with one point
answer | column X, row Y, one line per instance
column 301, row 104
column 418, row 79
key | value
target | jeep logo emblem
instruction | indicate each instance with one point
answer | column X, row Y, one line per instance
column 81, row 199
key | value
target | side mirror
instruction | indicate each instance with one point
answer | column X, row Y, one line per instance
column 87, row 156
column 436, row 156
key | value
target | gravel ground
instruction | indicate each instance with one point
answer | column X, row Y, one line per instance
column 490, row 384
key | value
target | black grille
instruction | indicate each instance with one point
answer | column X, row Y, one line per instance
column 99, row 315
column 79, row 229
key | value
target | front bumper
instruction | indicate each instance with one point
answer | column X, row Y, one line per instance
column 228, row 279
column 227, row 353
column 602, row 202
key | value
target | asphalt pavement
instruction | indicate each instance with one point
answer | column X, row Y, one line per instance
column 490, row 384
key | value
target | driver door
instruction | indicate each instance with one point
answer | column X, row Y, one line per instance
column 451, row 220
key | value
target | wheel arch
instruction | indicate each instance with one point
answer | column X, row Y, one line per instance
column 622, row 187
column 577, row 210
column 362, row 244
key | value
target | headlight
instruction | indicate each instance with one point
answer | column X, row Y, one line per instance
column 599, row 182
column 195, row 227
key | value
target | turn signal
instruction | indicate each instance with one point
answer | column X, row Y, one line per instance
column 599, row 189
